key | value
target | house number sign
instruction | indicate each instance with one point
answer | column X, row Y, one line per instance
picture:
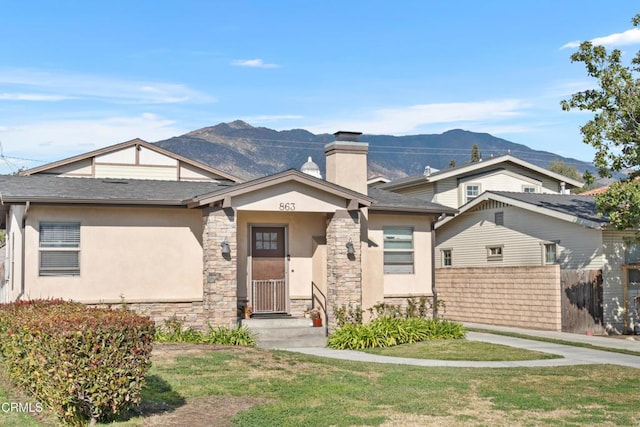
column 287, row 206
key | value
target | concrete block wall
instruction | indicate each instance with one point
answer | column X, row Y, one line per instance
column 524, row 296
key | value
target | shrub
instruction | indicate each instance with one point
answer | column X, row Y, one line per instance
column 83, row 363
column 388, row 331
column 348, row 315
column 174, row 331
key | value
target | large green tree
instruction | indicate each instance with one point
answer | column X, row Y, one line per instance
column 558, row 166
column 475, row 153
column 614, row 130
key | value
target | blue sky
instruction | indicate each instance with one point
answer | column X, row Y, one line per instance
column 80, row 75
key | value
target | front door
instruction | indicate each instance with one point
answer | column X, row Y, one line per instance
column 268, row 277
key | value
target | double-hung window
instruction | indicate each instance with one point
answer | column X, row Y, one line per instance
column 59, row 249
column 398, row 250
column 550, row 253
column 472, row 191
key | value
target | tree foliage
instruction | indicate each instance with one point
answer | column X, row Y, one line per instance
column 475, row 153
column 614, row 130
column 560, row 167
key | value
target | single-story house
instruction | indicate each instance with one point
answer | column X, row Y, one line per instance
column 458, row 185
column 500, row 229
column 166, row 235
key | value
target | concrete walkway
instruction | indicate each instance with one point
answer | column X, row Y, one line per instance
column 571, row 355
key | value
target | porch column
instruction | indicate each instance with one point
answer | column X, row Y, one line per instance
column 344, row 271
column 220, row 290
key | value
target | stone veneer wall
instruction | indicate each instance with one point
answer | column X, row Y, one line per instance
column 190, row 312
column 344, row 272
column 524, row 296
column 220, row 292
column 297, row 306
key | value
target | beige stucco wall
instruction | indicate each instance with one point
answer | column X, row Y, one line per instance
column 398, row 285
column 289, row 197
column 142, row 254
column 301, row 227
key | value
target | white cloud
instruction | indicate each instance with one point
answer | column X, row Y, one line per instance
column 54, row 140
column 410, row 119
column 626, row 38
column 32, row 97
column 95, row 87
column 254, row 63
column 270, row 118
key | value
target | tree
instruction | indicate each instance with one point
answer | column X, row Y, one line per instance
column 614, row 130
column 475, row 153
column 558, row 166
column 452, row 163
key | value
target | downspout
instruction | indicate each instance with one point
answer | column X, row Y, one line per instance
column 23, row 249
column 434, row 291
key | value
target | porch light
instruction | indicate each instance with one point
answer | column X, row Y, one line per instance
column 350, row 249
column 224, row 246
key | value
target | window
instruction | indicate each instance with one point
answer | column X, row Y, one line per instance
column 447, row 259
column 499, row 218
column 550, row 253
column 398, row 250
column 266, row 241
column 472, row 191
column 528, row 189
column 494, row 252
column 59, row 249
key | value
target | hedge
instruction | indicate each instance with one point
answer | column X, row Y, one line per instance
column 83, row 363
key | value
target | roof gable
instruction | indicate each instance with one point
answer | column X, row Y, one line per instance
column 83, row 165
column 287, row 181
column 575, row 209
column 470, row 168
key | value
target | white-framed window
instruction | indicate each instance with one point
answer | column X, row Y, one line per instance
column 471, row 191
column 494, row 253
column 528, row 189
column 59, row 249
column 550, row 253
column 398, row 250
column 498, row 218
column 447, row 258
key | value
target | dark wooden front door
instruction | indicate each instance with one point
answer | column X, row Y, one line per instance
column 268, row 277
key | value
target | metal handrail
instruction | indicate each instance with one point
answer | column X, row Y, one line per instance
column 321, row 302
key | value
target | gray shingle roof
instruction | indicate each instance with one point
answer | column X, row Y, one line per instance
column 580, row 206
column 42, row 188
column 91, row 190
column 386, row 200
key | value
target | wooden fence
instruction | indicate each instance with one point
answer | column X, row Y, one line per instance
column 581, row 293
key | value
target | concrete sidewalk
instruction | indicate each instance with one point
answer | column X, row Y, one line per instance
column 571, row 355
column 627, row 342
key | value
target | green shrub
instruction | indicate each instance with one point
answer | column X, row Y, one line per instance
column 83, row 363
column 174, row 331
column 389, row 331
column 348, row 315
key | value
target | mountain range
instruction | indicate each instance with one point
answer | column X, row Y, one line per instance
column 250, row 152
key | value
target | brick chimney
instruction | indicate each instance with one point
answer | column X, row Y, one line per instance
column 347, row 161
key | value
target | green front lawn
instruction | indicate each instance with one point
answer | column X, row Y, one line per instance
column 460, row 350
column 197, row 385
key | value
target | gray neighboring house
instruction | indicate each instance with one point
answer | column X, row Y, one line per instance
column 509, row 229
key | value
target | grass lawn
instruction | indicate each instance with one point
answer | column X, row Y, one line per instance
column 196, row 385
column 460, row 350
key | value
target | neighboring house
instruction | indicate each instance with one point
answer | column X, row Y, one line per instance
column 456, row 186
column 135, row 159
column 196, row 243
column 507, row 229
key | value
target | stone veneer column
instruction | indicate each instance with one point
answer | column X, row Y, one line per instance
column 220, row 290
column 344, row 272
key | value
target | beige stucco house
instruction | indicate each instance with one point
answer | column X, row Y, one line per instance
column 167, row 235
column 507, row 230
column 456, row 186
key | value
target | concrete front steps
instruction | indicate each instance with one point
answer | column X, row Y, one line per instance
column 286, row 332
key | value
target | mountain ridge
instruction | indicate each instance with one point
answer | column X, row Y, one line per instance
column 250, row 152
